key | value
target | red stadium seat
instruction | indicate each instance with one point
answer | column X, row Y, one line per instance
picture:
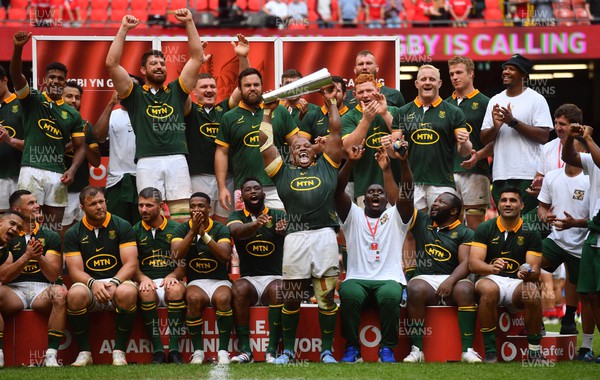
column 334, row 9
column 201, row 5
column 19, row 15
column 254, row 5
column 175, row 4
column 492, row 4
column 83, row 4
column 139, row 4
column 100, row 4
column 119, row 4
column 158, row 7
column 21, row 4
column 98, row 18
column 213, row 5
column 116, row 15
column 564, row 16
column 140, row 14
column 2, row 14
column 243, row 4
column 493, row 17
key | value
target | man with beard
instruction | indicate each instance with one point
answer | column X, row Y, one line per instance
column 258, row 233
column 369, row 121
column 310, row 249
column 203, row 119
column 374, row 266
column 48, row 124
column 500, row 248
column 101, row 256
column 158, row 286
column 157, row 114
column 72, row 96
column 27, row 277
column 206, row 247
column 365, row 64
column 238, row 138
column 518, row 121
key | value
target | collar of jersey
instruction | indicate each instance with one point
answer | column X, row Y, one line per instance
column 12, row 97
column 341, row 111
column 449, row 227
column 59, row 102
column 264, row 211
column 104, row 224
column 247, row 108
column 161, row 227
column 434, row 104
column 503, row 229
column 147, row 88
column 468, row 96
column 210, row 224
column 34, row 232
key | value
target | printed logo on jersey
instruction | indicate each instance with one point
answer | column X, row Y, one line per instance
column 11, row 131
column 50, row 129
column 31, row 267
column 15, row 109
column 203, row 265
column 578, row 195
column 156, row 261
column 321, row 121
column 112, row 234
column 209, row 130
column 159, row 111
column 469, row 128
column 305, row 183
column 374, row 141
column 251, row 139
column 410, row 117
column 442, row 114
column 260, row 248
column 520, row 240
column 425, row 136
column 438, row 252
column 101, row 262
column 474, row 106
column 383, row 220
column 169, row 238
column 510, row 266
column 240, row 120
column 64, row 114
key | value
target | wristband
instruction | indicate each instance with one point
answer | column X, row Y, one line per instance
column 90, row 283
column 267, row 112
column 513, row 124
column 115, row 281
column 206, row 238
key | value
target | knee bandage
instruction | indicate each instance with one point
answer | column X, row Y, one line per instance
column 475, row 211
column 325, row 291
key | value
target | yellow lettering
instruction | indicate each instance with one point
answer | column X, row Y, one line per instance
column 100, row 262
column 425, row 136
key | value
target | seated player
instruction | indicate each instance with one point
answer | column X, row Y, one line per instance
column 255, row 227
column 29, row 275
column 500, row 248
column 101, row 257
column 158, row 286
column 206, row 247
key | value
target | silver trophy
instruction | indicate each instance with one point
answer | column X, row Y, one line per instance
column 310, row 83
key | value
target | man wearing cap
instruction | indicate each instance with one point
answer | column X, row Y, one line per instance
column 518, row 120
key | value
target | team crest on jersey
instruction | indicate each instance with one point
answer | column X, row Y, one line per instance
column 495, row 240
column 474, row 106
column 64, row 114
column 333, row 215
column 305, row 183
column 454, row 235
column 269, row 224
column 240, row 120
column 85, row 240
column 321, row 121
column 15, row 109
column 169, row 238
column 442, row 114
column 112, row 234
column 578, row 195
column 17, row 247
column 260, row 248
column 219, row 108
column 43, row 241
column 384, row 219
column 520, row 240
column 143, row 241
column 410, row 117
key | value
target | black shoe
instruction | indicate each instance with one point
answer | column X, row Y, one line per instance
column 490, row 357
column 568, row 326
column 158, row 357
column 585, row 355
column 175, row 357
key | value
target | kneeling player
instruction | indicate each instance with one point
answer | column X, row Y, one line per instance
column 100, row 238
column 500, row 248
column 158, row 286
column 206, row 247
column 257, row 226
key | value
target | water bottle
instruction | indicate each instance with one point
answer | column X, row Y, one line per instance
column 525, row 268
column 399, row 148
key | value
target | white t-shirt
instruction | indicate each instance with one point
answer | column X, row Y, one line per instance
column 277, row 9
column 568, row 194
column 122, row 147
column 590, row 168
column 516, row 157
column 551, row 158
column 390, row 233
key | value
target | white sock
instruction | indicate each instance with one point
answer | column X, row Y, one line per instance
column 586, row 341
column 535, row 347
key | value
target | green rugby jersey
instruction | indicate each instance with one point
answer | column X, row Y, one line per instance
column 101, row 255
column 11, row 119
column 295, row 111
column 239, row 132
column 431, row 141
column 32, row 271
column 316, row 123
column 393, row 97
column 157, row 119
column 200, row 261
column 367, row 171
column 48, row 126
column 154, row 248
column 307, row 194
column 262, row 253
column 512, row 246
column 437, row 248
column 82, row 176
column 473, row 106
column 4, row 252
column 202, row 129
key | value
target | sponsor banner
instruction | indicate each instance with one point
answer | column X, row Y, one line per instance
column 510, row 323
column 98, row 175
column 555, row 347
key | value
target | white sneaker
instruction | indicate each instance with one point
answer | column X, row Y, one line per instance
column 415, row 356
column 197, row 357
column 119, row 357
column 84, row 358
column 269, row 358
column 223, row 357
column 50, row 360
column 471, row 356
column 1, row 358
